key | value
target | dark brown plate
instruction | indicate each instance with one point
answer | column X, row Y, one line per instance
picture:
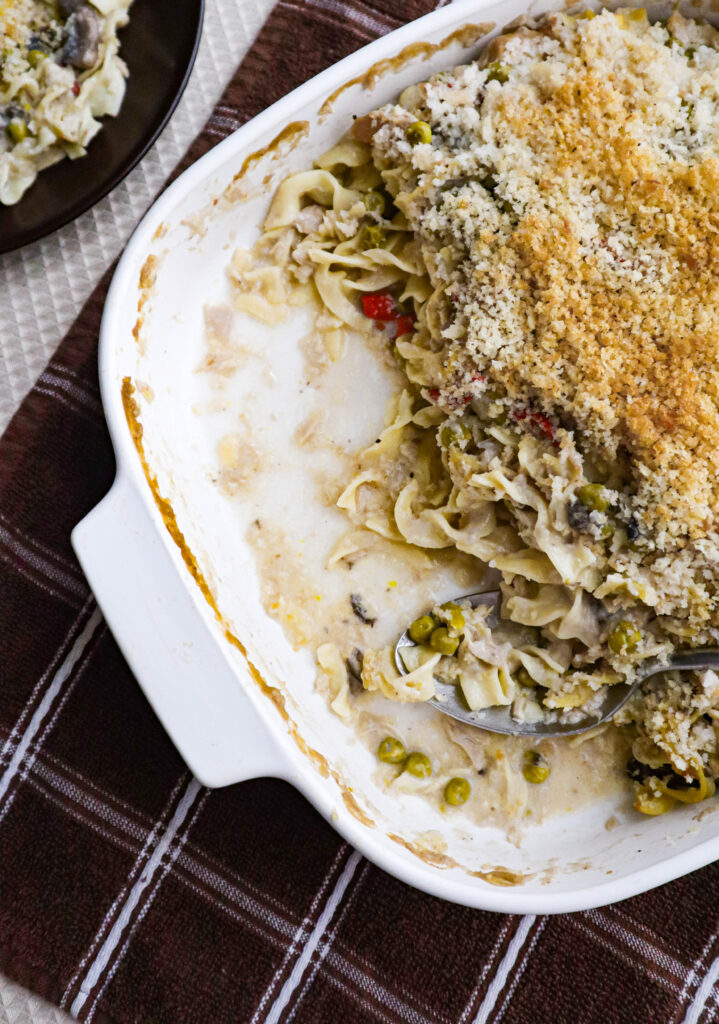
column 159, row 46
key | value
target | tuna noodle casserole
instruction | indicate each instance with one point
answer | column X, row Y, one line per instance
column 535, row 236
column 59, row 72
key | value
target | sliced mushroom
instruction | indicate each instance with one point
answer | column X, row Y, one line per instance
column 82, row 39
column 363, row 128
column 360, row 609
column 578, row 517
column 11, row 112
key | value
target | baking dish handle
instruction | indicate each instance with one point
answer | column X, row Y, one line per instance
column 168, row 645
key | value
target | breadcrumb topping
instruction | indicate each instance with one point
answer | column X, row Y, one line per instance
column 568, row 208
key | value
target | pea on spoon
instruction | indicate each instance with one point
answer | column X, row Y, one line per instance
column 449, row 699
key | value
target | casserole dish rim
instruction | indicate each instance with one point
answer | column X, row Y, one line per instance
column 286, row 761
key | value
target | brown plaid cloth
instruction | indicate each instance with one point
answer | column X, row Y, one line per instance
column 128, row 893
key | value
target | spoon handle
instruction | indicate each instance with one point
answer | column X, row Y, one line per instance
column 703, row 657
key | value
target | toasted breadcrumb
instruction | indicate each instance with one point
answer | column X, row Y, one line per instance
column 572, row 213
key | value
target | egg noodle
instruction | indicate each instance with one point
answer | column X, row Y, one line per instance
column 535, row 236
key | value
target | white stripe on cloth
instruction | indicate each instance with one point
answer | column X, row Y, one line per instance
column 82, row 799
column 364, row 985
column 146, row 907
column 42, row 565
column 61, row 653
column 521, row 966
column 102, row 960
column 485, row 969
column 79, row 394
column 372, row 25
column 327, row 940
column 607, row 941
column 697, row 966
column 91, row 389
column 53, row 557
column 69, row 402
column 387, row 1014
column 43, row 785
column 323, row 922
column 703, row 994
column 73, row 785
column 63, row 673
column 642, row 948
column 500, row 979
column 95, row 809
column 21, row 568
column 298, row 936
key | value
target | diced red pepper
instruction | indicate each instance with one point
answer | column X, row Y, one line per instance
column 76, row 88
column 405, row 324
column 380, row 306
column 544, row 424
column 434, row 394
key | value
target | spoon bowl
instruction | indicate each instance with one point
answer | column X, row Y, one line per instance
column 449, row 699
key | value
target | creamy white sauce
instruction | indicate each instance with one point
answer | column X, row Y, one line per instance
column 292, row 541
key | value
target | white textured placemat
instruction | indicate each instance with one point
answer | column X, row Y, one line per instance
column 43, row 286
column 17, row 1006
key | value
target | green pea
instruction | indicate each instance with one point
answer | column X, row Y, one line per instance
column 594, row 496
column 418, row 765
column 498, row 72
column 36, row 57
column 536, row 767
column 457, row 792
column 17, row 129
column 391, row 750
column 372, row 236
column 522, row 676
column 374, row 202
column 442, row 641
column 455, row 616
column 422, row 628
column 624, row 637
column 418, row 132
column 454, row 433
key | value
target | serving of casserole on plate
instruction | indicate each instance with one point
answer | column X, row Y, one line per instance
column 95, row 82
column 60, row 72
column 468, row 342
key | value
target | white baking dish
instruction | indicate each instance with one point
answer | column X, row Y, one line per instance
column 217, row 707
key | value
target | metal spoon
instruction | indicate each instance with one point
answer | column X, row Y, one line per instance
column 449, row 698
